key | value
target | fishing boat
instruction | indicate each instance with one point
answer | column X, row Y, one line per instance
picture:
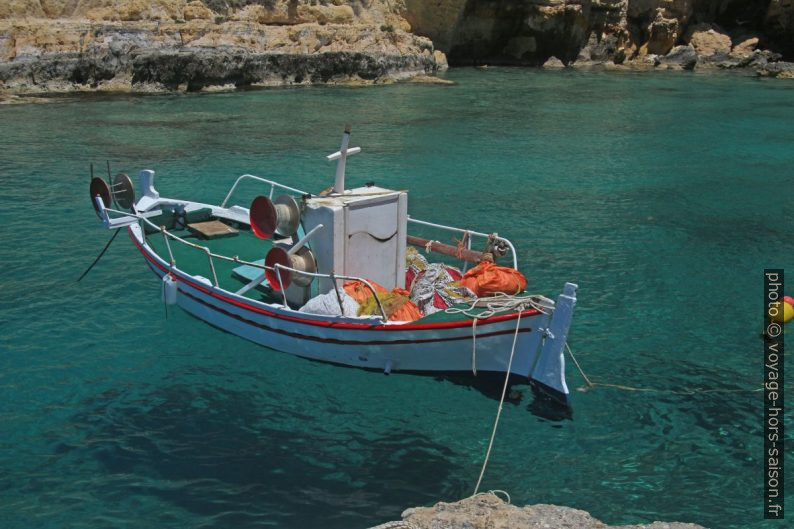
column 279, row 273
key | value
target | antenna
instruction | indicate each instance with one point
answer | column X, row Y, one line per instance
column 341, row 155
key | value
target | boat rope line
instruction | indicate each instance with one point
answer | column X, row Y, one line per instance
column 474, row 346
column 589, row 384
column 499, row 410
column 499, row 302
column 98, row 257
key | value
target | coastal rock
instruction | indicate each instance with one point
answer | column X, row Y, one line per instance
column 663, row 34
column 680, row 57
column 708, row 40
column 553, row 63
column 197, row 11
column 487, row 511
column 599, row 49
column 95, row 44
column 145, row 45
column 779, row 70
column 745, row 48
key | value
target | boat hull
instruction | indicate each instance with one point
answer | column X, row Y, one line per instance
column 437, row 347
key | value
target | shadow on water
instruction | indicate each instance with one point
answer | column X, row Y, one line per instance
column 218, row 454
column 490, row 385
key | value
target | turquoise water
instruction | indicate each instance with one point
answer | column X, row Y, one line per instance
column 662, row 196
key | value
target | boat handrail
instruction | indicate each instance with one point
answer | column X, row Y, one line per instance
column 470, row 232
column 273, row 185
column 236, row 259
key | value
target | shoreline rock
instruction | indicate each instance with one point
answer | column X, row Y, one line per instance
column 144, row 46
column 488, row 511
column 167, row 45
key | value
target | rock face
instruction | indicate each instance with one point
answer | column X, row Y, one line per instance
column 487, row 511
column 592, row 32
column 145, row 45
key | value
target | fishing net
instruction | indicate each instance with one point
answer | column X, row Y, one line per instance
column 433, row 285
column 396, row 304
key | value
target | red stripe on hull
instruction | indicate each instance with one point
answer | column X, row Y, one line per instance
column 331, row 324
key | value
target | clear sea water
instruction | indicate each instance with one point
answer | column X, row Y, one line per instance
column 663, row 196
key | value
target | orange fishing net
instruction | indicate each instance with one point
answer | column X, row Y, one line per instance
column 396, row 304
column 487, row 279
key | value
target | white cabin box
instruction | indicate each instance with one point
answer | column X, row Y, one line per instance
column 363, row 235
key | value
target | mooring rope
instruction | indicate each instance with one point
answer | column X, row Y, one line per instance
column 500, row 302
column 98, row 257
column 501, row 405
column 590, row 384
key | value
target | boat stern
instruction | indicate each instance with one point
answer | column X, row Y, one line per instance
column 547, row 376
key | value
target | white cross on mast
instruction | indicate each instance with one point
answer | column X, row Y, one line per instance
column 341, row 155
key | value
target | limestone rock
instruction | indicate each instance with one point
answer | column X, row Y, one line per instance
column 553, row 63
column 272, row 14
column 598, row 50
column 708, row 40
column 745, row 48
column 778, row 69
column 197, row 11
column 327, row 14
column 20, row 8
column 440, row 59
column 680, row 57
column 487, row 511
column 663, row 34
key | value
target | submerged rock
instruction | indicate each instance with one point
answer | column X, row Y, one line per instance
column 487, row 511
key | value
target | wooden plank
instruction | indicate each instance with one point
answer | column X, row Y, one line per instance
column 212, row 229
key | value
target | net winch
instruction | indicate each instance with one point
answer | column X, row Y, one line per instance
column 119, row 190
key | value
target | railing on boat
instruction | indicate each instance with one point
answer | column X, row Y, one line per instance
column 273, row 184
column 277, row 268
column 471, row 233
column 167, row 236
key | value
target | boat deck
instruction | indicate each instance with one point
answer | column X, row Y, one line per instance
column 232, row 276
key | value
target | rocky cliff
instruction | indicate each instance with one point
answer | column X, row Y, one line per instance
column 67, row 45
column 487, row 511
column 712, row 33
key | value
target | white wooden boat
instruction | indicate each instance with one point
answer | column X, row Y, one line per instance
column 315, row 243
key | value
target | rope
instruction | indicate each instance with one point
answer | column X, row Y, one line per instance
column 474, row 346
column 590, row 384
column 98, row 257
column 576, row 362
column 501, row 403
column 494, row 493
column 501, row 302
